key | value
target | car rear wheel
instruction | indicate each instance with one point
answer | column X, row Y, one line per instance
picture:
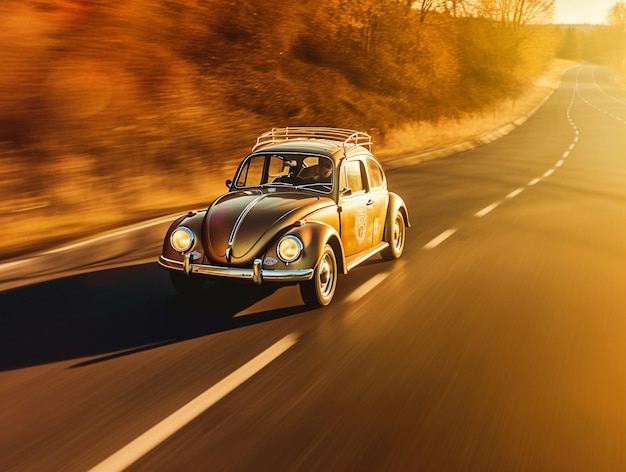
column 320, row 289
column 395, row 238
column 186, row 285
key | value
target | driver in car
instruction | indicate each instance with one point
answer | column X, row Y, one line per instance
column 321, row 172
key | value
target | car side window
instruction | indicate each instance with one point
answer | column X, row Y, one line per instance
column 352, row 177
column 252, row 172
column 376, row 176
column 277, row 168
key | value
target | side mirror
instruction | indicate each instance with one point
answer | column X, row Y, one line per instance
column 229, row 183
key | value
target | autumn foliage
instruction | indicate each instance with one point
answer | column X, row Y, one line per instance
column 134, row 105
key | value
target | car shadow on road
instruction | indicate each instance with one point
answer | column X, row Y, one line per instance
column 117, row 312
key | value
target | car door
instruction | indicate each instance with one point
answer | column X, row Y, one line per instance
column 356, row 208
column 377, row 185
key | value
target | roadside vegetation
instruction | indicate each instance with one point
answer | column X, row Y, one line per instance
column 111, row 112
column 601, row 44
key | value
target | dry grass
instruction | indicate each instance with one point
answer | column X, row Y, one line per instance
column 411, row 138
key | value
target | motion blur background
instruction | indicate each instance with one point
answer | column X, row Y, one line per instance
column 111, row 112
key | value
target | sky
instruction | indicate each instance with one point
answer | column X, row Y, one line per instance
column 582, row 11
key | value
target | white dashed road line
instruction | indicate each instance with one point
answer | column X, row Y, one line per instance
column 439, row 239
column 487, row 210
column 515, row 193
column 366, row 287
column 170, row 425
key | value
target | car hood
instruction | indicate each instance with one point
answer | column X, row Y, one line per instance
column 240, row 225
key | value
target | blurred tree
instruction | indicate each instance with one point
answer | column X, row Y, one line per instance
column 616, row 18
column 355, row 22
column 617, row 15
column 513, row 17
column 425, row 6
column 571, row 44
column 456, row 8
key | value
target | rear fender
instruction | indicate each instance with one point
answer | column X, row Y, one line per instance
column 395, row 204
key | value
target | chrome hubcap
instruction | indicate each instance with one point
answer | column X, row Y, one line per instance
column 326, row 275
column 397, row 233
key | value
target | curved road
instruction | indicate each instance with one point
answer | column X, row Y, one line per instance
column 497, row 343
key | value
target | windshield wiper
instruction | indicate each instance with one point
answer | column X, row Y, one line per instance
column 277, row 184
column 310, row 186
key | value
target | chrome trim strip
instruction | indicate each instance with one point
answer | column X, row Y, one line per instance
column 354, row 261
column 265, row 275
column 241, row 217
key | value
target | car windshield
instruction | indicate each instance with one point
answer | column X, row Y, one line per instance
column 301, row 171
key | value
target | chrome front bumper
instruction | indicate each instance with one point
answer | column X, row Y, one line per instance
column 257, row 274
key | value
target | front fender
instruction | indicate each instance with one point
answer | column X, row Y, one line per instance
column 314, row 236
column 192, row 220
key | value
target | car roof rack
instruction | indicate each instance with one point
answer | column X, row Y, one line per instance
column 349, row 138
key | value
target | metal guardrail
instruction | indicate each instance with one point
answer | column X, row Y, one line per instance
column 349, row 138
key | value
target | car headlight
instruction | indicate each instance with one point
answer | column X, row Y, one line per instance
column 182, row 239
column 289, row 248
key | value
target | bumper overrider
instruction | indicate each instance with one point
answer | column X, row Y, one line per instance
column 256, row 273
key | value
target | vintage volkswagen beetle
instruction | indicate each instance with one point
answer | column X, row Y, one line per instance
column 305, row 205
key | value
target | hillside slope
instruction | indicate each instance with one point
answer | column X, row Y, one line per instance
column 115, row 111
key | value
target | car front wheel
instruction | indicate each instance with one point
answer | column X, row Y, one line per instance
column 319, row 291
column 395, row 238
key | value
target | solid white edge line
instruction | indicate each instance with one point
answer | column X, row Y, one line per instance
column 174, row 422
column 366, row 287
column 7, row 265
column 439, row 239
column 487, row 209
column 120, row 232
column 102, row 237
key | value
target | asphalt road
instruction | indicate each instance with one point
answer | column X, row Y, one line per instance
column 497, row 343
